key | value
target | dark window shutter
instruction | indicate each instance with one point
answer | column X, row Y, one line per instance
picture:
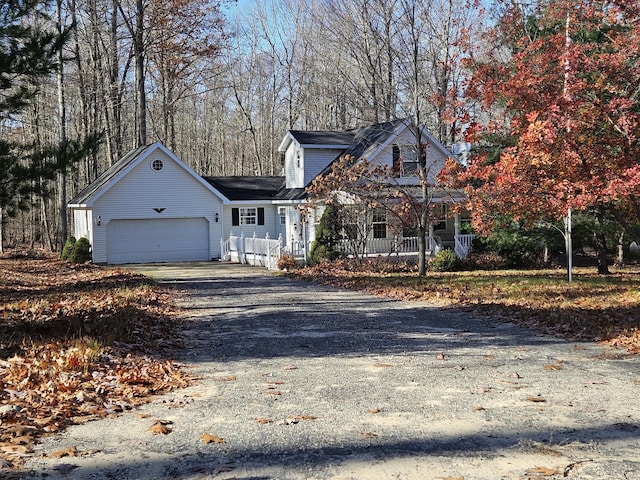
column 235, row 217
column 260, row 216
column 397, row 167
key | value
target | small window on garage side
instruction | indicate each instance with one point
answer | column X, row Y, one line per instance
column 157, row 165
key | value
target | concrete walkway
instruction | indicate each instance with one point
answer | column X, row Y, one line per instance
column 301, row 381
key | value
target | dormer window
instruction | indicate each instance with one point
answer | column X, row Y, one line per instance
column 157, row 165
column 405, row 160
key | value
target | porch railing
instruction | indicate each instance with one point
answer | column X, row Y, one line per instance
column 463, row 245
column 389, row 246
column 263, row 252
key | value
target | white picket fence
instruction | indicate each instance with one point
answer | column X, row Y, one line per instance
column 263, row 252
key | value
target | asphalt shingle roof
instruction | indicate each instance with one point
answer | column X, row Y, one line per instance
column 85, row 194
column 247, row 188
column 304, row 137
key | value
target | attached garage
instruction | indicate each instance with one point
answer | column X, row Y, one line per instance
column 150, row 207
column 158, row 240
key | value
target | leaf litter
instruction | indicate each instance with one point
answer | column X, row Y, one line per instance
column 77, row 343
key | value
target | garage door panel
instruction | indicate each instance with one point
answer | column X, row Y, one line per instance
column 158, row 240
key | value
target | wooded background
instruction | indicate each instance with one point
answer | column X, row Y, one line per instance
column 220, row 84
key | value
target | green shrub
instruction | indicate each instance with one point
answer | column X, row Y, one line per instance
column 68, row 248
column 81, row 252
column 322, row 253
column 323, row 247
column 445, row 261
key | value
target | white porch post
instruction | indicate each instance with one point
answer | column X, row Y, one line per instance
column 456, row 226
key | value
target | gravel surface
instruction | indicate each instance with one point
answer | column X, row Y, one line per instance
column 301, row 381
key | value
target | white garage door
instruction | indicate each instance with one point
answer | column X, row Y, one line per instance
column 158, row 240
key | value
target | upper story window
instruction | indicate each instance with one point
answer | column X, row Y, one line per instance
column 157, row 165
column 405, row 160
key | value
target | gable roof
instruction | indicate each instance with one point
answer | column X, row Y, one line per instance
column 369, row 140
column 113, row 174
column 247, row 188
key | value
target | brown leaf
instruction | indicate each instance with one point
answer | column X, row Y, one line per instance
column 229, row 378
column 290, row 367
column 553, row 367
column 536, row 399
column 373, row 411
column 369, row 435
column 293, row 419
column 544, row 471
column 159, row 428
column 263, row 421
column 68, row 452
column 207, row 438
column 440, row 356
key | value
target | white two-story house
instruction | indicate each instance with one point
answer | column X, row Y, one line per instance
column 151, row 207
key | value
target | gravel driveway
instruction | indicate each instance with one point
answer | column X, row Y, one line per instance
column 301, row 381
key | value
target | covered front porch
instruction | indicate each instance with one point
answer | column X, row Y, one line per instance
column 266, row 252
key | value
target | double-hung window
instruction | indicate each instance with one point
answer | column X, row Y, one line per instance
column 247, row 216
column 379, row 223
column 405, row 160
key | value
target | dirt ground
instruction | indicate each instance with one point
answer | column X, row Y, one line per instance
column 300, row 381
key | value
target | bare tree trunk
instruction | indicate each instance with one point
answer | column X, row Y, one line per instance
column 62, row 135
column 138, row 47
column 1, row 232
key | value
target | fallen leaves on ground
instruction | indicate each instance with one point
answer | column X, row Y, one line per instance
column 604, row 308
column 71, row 452
column 543, row 472
column 536, row 400
column 78, row 342
column 552, row 367
column 208, row 438
column 160, row 427
column 295, row 419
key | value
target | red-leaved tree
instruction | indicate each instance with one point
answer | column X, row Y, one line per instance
column 559, row 87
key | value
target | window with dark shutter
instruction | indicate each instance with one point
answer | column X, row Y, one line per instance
column 260, row 216
column 235, row 217
column 397, row 162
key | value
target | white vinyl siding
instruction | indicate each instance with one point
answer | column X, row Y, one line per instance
column 303, row 164
column 270, row 226
column 435, row 158
column 316, row 160
column 143, row 193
